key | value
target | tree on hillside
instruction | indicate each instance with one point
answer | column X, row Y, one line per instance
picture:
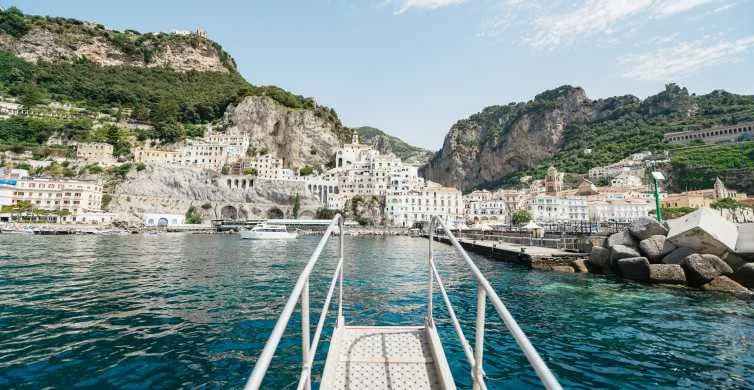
column 296, row 206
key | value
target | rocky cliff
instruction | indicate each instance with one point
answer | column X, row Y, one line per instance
column 298, row 136
column 48, row 39
column 175, row 190
column 385, row 143
column 563, row 127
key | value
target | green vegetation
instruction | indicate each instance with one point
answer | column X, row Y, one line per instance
column 521, row 217
column 675, row 212
column 95, row 169
column 250, row 171
column 306, row 170
column 140, row 167
column 296, row 206
column 695, row 168
column 728, row 203
column 106, row 199
column 206, row 206
column 323, row 213
column 192, row 217
column 225, row 169
column 626, row 126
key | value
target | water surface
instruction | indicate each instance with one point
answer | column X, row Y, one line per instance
column 195, row 311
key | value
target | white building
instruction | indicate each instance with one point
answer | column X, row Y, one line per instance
column 552, row 209
column 163, row 219
column 626, row 180
column 485, row 210
column 235, row 144
column 205, row 155
column 267, row 167
column 405, row 209
column 618, row 210
column 634, row 163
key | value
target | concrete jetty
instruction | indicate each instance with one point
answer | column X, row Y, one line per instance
column 534, row 257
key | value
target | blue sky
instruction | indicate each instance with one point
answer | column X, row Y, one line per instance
column 414, row 67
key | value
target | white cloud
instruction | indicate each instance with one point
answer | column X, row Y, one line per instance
column 426, row 4
column 547, row 24
column 664, row 8
column 685, row 58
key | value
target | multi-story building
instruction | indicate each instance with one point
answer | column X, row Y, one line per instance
column 633, row 164
column 626, row 180
column 266, row 167
column 552, row 209
column 95, row 152
column 148, row 155
column 235, row 143
column 205, row 155
column 419, row 205
column 618, row 210
column 75, row 196
column 485, row 210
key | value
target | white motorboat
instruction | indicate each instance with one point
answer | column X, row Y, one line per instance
column 265, row 231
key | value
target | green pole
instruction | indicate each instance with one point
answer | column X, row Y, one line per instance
column 658, row 209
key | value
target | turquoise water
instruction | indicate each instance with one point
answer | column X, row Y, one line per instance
column 194, row 311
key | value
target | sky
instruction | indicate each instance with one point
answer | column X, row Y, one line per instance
column 414, row 67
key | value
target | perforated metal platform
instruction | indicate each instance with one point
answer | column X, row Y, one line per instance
column 396, row 358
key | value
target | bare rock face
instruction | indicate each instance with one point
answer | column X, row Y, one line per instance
column 699, row 270
column 666, row 274
column 618, row 252
column 634, row 268
column 719, row 264
column 725, row 284
column 43, row 44
column 298, row 136
column 504, row 139
column 174, row 190
column 656, row 247
column 646, row 227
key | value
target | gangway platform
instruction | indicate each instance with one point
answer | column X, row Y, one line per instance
column 391, row 357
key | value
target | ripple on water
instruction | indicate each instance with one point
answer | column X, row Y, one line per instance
column 195, row 311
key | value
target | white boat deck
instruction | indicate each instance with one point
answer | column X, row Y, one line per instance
column 386, row 357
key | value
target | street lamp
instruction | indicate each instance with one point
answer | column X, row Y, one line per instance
column 656, row 177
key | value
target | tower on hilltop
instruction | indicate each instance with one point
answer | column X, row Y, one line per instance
column 200, row 32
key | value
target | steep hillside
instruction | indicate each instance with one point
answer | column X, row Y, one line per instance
column 388, row 144
column 502, row 143
column 49, row 39
column 170, row 81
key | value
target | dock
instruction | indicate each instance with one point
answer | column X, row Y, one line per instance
column 532, row 256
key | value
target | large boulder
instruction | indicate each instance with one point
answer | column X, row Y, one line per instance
column 745, row 275
column 622, row 238
column 723, row 283
column 600, row 257
column 656, row 247
column 699, row 270
column 704, row 231
column 719, row 264
column 745, row 243
column 677, row 256
column 580, row 265
column 646, row 227
column 734, row 261
column 667, row 274
column 618, row 252
column 634, row 268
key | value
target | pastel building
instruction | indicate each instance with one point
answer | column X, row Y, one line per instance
column 74, row 196
column 405, row 209
column 95, row 152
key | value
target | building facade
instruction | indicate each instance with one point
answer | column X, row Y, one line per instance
column 95, row 152
column 74, row 196
column 406, row 209
column 712, row 135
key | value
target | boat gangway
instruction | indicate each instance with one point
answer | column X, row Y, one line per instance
column 391, row 357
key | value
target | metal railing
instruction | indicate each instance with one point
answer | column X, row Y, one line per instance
column 484, row 292
column 301, row 294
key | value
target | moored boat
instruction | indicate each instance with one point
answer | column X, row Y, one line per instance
column 265, row 231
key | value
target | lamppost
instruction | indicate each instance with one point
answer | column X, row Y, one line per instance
column 656, row 177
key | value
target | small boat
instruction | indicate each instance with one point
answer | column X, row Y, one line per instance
column 265, row 231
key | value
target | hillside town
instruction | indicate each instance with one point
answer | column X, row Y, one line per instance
column 616, row 193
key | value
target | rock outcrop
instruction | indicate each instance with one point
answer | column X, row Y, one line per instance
column 646, row 227
column 666, row 274
column 300, row 137
column 174, row 190
column 656, row 247
column 66, row 41
column 634, row 268
column 725, row 284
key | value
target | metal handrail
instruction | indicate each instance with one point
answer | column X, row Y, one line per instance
column 484, row 291
column 301, row 293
